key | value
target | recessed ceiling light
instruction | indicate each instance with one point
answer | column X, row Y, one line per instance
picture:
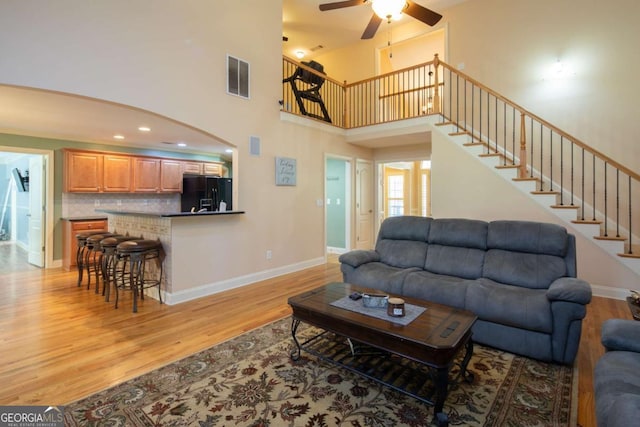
column 118, row 136
column 144, row 129
column 181, row 144
column 228, row 150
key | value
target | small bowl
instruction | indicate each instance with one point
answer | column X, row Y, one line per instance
column 375, row 300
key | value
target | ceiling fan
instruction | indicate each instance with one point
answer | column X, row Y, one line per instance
column 387, row 9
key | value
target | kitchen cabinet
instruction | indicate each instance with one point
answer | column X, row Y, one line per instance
column 106, row 172
column 146, row 175
column 212, row 169
column 73, row 226
column 116, row 177
column 192, row 167
column 83, row 171
column 170, row 176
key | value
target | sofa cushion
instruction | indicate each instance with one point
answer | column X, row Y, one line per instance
column 617, row 378
column 402, row 241
column 438, row 288
column 464, row 233
column 456, row 247
column 380, row 276
column 510, row 305
column 528, row 236
column 466, row 263
column 528, row 270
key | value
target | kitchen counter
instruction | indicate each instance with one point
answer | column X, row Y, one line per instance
column 196, row 261
column 84, row 218
column 167, row 214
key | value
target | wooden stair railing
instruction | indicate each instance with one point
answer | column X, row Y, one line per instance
column 600, row 189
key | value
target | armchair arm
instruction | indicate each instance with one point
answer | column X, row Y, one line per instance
column 358, row 257
column 621, row 334
column 570, row 289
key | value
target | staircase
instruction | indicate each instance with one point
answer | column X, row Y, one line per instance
column 591, row 193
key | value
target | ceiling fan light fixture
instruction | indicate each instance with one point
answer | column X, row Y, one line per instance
column 388, row 9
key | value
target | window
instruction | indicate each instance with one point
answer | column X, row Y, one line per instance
column 395, row 195
column 237, row 77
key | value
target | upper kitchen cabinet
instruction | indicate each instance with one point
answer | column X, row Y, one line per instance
column 171, row 176
column 117, row 174
column 146, row 175
column 83, row 171
column 212, row 169
column 192, row 167
column 109, row 172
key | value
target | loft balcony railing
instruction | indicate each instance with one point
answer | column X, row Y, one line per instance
column 600, row 189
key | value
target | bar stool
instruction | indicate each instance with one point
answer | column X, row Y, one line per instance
column 140, row 253
column 110, row 261
column 81, row 239
column 92, row 254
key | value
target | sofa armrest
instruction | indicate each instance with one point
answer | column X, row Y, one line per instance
column 569, row 289
column 358, row 257
column 621, row 334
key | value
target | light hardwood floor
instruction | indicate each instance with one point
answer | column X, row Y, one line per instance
column 59, row 343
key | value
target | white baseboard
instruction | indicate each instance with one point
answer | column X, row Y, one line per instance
column 610, row 292
column 236, row 282
column 339, row 251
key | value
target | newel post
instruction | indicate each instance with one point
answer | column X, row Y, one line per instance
column 436, row 85
column 522, row 170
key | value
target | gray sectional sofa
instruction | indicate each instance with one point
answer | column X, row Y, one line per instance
column 617, row 375
column 518, row 277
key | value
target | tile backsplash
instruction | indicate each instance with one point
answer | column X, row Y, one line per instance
column 85, row 204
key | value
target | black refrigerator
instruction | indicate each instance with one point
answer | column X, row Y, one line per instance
column 202, row 192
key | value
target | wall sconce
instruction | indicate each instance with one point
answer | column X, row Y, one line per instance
column 558, row 71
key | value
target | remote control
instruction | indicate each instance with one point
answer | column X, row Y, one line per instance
column 355, row 296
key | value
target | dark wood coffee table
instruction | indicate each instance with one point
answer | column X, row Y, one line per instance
column 433, row 340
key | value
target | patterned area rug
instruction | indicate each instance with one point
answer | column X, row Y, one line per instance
column 251, row 381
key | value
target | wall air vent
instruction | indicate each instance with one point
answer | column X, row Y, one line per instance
column 237, row 77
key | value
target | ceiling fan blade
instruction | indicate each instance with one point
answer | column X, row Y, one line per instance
column 340, row 4
column 421, row 13
column 372, row 27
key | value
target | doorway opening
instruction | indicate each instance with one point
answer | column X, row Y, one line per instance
column 26, row 209
column 338, row 204
column 404, row 188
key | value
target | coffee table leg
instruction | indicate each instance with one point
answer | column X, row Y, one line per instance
column 465, row 374
column 295, row 353
column 442, row 384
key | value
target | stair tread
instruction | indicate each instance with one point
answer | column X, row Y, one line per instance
column 614, row 238
column 524, row 179
column 545, row 192
column 565, row 207
column 633, row 255
column 490, row 155
column 459, row 133
column 444, row 123
column 507, row 166
column 586, row 221
column 473, row 144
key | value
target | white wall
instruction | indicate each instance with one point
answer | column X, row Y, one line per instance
column 169, row 57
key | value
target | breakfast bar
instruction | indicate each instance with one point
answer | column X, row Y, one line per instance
column 193, row 244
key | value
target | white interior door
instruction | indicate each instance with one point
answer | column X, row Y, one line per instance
column 36, row 211
column 364, row 205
